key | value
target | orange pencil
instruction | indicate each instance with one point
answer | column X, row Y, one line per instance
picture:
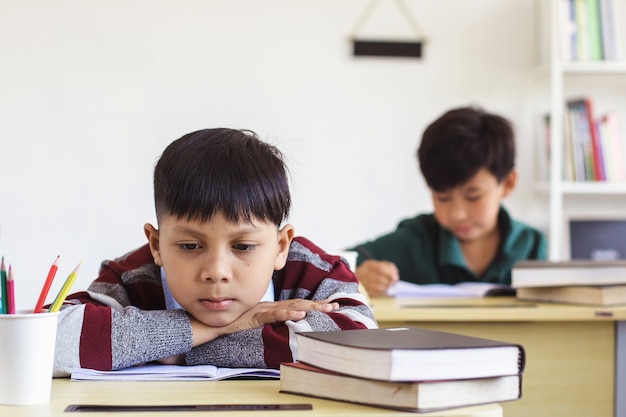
column 10, row 292
column 46, row 286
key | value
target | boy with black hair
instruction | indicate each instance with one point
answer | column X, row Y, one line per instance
column 222, row 280
column 467, row 157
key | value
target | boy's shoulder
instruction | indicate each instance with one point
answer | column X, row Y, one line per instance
column 308, row 262
column 517, row 227
column 521, row 238
column 304, row 250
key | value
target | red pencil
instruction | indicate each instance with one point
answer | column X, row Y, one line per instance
column 10, row 292
column 46, row 286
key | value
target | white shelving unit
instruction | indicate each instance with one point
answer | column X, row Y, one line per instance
column 559, row 72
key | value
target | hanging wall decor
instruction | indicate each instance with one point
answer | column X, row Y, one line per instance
column 366, row 46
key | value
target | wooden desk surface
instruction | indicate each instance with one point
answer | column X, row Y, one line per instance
column 570, row 349
column 492, row 309
column 65, row 392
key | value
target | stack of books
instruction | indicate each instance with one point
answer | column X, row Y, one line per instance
column 575, row 281
column 404, row 368
column 593, row 144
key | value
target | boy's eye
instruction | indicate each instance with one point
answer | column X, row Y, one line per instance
column 442, row 198
column 189, row 246
column 473, row 197
column 243, row 247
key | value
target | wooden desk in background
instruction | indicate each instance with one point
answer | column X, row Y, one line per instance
column 65, row 392
column 570, row 350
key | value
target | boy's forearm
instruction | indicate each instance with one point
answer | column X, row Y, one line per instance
column 103, row 338
column 237, row 350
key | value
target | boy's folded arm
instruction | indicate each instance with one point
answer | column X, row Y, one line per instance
column 272, row 344
column 105, row 337
column 268, row 346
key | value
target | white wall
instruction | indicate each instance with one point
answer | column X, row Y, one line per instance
column 92, row 91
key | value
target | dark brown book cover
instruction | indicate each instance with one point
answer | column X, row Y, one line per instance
column 413, row 338
column 406, row 353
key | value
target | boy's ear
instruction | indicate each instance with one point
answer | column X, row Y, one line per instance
column 509, row 182
column 285, row 236
column 153, row 240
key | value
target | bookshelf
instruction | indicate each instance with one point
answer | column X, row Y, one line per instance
column 568, row 79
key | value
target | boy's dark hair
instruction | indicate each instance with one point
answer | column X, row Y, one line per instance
column 225, row 171
column 461, row 142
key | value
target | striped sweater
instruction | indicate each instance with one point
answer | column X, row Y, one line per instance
column 122, row 320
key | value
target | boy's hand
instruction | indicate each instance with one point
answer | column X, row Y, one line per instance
column 377, row 276
column 261, row 314
column 279, row 311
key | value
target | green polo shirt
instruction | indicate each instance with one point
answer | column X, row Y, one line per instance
column 426, row 253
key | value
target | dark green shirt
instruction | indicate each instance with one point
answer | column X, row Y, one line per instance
column 426, row 253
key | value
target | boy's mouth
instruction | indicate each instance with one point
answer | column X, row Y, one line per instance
column 221, row 304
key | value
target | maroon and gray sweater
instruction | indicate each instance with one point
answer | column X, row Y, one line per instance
column 122, row 320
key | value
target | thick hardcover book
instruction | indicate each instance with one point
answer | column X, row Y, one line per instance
column 409, row 354
column 603, row 295
column 564, row 273
column 417, row 396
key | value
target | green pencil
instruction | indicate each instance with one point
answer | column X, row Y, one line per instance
column 5, row 296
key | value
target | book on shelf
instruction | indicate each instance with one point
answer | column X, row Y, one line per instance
column 159, row 372
column 417, row 396
column 409, row 354
column 607, row 27
column 612, row 147
column 588, row 30
column 601, row 295
column 584, row 140
column 569, row 31
column 531, row 273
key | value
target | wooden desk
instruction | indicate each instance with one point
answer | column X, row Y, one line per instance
column 65, row 392
column 570, row 350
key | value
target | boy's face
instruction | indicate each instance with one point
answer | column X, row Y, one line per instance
column 217, row 270
column 470, row 211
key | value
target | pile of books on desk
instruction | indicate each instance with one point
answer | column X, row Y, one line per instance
column 404, row 368
column 574, row 282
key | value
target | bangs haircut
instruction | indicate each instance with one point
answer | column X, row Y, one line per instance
column 226, row 171
column 461, row 142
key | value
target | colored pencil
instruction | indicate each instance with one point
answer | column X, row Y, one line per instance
column 3, row 278
column 10, row 292
column 46, row 286
column 60, row 298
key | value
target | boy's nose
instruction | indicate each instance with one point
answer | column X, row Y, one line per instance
column 457, row 212
column 216, row 268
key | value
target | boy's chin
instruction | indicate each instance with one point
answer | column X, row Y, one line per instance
column 215, row 319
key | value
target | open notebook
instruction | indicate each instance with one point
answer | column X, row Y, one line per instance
column 463, row 289
column 157, row 372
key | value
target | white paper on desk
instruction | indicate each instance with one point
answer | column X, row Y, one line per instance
column 157, row 372
column 463, row 289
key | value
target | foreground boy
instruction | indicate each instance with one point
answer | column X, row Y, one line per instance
column 467, row 158
column 220, row 282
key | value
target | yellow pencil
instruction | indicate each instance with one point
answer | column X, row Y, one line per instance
column 58, row 301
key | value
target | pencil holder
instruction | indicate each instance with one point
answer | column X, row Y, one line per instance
column 27, row 357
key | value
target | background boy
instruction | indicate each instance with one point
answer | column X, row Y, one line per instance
column 467, row 158
column 220, row 281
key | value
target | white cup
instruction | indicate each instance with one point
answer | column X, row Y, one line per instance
column 26, row 357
